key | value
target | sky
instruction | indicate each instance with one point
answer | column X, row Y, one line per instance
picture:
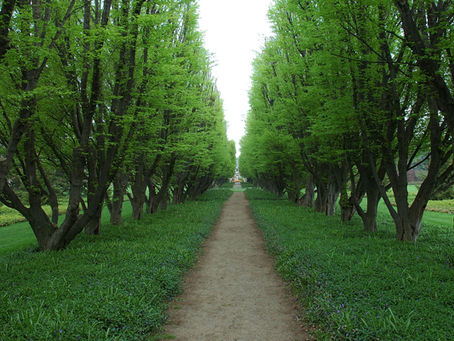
column 234, row 31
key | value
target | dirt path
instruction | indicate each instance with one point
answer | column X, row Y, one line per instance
column 233, row 292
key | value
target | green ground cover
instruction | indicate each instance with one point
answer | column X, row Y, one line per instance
column 444, row 206
column 114, row 286
column 358, row 286
column 15, row 237
column 19, row 235
column 9, row 216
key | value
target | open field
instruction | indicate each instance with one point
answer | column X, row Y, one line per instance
column 9, row 216
column 112, row 286
column 444, row 206
column 357, row 286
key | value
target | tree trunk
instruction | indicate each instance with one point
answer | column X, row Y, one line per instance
column 149, row 202
column 321, row 199
column 346, row 206
column 370, row 216
column 138, row 188
column 202, row 185
column 5, row 17
column 94, row 224
column 42, row 227
column 178, row 192
column 308, row 198
column 431, row 66
column 293, row 195
column 137, row 204
column 409, row 227
column 163, row 194
column 331, row 199
column 164, row 202
column 119, row 188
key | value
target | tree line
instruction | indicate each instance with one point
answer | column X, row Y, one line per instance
column 102, row 99
column 346, row 98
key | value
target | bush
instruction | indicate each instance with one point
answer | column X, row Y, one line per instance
column 446, row 194
column 114, row 286
column 358, row 286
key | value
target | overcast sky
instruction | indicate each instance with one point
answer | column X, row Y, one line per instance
column 234, row 31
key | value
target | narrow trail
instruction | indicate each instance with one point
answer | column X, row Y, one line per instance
column 233, row 293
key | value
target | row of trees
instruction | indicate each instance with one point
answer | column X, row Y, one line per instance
column 112, row 98
column 347, row 97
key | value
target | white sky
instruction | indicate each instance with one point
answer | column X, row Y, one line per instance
column 234, row 31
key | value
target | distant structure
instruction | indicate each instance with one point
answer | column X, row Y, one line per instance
column 238, row 177
column 411, row 176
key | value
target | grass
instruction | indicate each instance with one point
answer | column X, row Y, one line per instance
column 19, row 235
column 15, row 237
column 109, row 287
column 358, row 286
column 444, row 206
column 9, row 216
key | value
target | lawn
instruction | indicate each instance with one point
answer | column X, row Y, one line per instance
column 19, row 235
column 114, row 286
column 444, row 206
column 9, row 216
column 358, row 286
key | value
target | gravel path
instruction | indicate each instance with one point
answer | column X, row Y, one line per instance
column 233, row 293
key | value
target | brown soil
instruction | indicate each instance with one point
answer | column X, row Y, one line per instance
column 233, row 293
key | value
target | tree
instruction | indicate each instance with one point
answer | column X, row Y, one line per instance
column 81, row 94
column 361, row 102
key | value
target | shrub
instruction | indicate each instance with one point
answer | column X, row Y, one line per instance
column 446, row 194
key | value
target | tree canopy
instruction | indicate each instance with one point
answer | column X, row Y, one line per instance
column 110, row 98
column 347, row 97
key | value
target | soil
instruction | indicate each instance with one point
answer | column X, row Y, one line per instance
column 233, row 292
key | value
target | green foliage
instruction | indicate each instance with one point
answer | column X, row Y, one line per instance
column 114, row 287
column 448, row 193
column 9, row 216
column 357, row 286
column 112, row 86
column 341, row 94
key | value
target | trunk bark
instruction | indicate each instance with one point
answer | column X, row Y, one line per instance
column 331, row 199
column 53, row 200
column 426, row 62
column 320, row 200
column 164, row 202
column 408, row 228
column 178, row 194
column 308, row 198
column 119, row 188
column 201, row 186
column 5, row 17
column 149, row 202
column 346, row 206
column 139, row 188
column 293, row 195
column 179, row 191
column 94, row 224
column 162, row 196
column 370, row 216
